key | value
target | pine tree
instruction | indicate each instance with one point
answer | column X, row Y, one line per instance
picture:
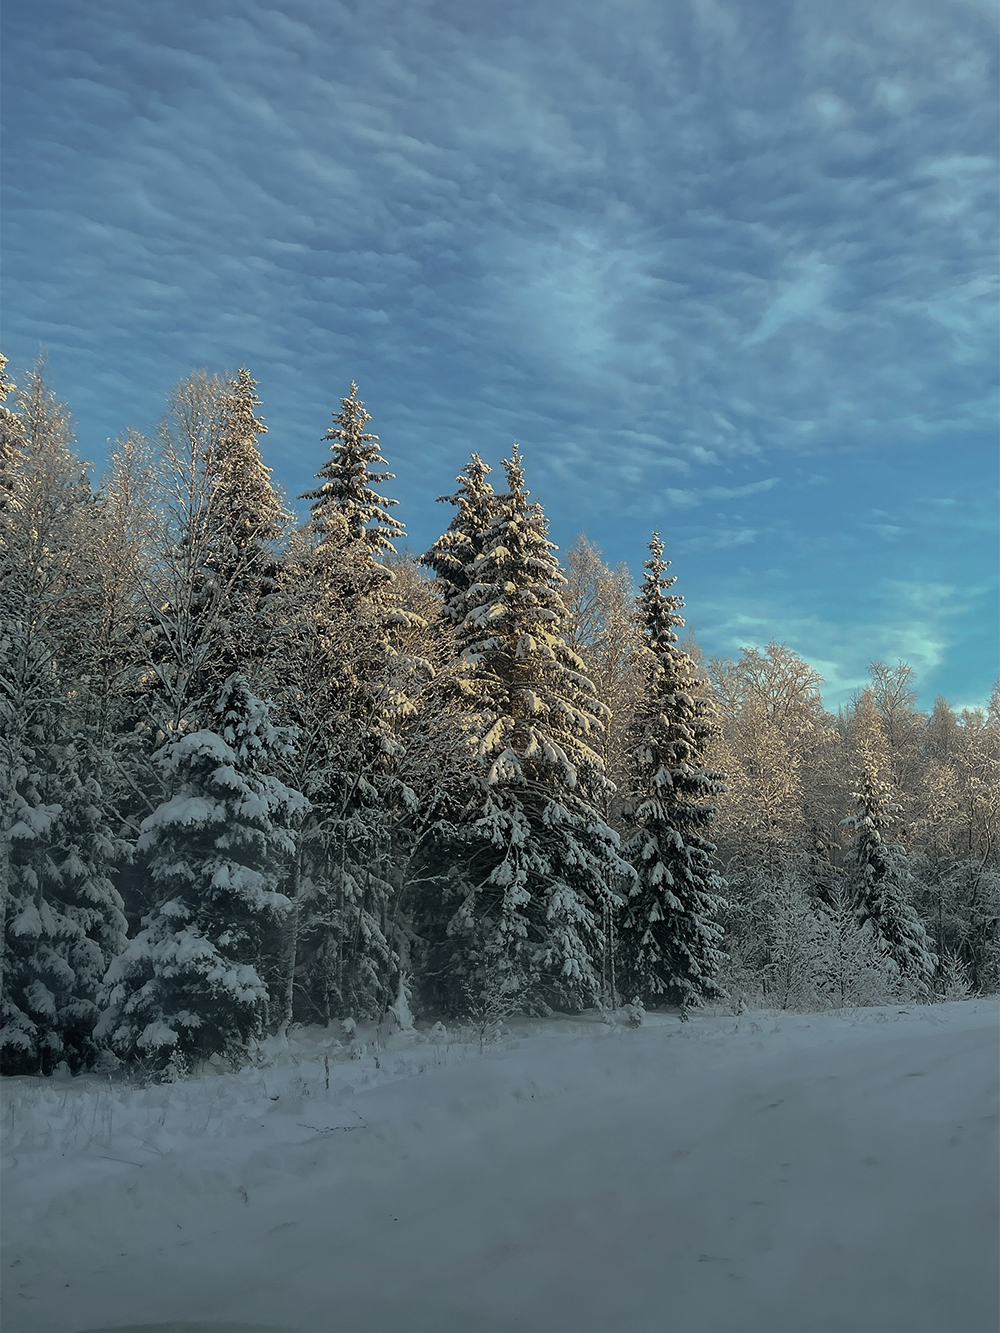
column 189, row 985
column 882, row 880
column 670, row 937
column 453, row 556
column 519, row 884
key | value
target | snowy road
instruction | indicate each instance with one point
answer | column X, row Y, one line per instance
column 772, row 1174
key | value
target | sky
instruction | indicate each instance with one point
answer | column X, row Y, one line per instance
column 725, row 268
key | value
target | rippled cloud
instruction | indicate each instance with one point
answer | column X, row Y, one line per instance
column 690, row 255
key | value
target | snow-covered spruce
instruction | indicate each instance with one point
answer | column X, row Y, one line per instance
column 854, row 970
column 219, row 565
column 881, row 882
column 245, row 521
column 521, row 880
column 669, row 936
column 347, row 690
column 189, row 985
column 62, row 916
column 346, row 506
column 453, row 556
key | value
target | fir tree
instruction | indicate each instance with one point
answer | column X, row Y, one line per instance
column 670, row 938
column 65, row 921
column 520, row 882
column 245, row 522
column 348, row 691
column 61, row 913
column 346, row 505
column 454, row 554
column 189, row 985
column 854, row 969
column 219, row 564
column 882, row 882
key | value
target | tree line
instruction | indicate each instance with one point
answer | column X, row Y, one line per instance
column 257, row 773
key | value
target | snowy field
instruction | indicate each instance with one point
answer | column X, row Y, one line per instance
column 776, row 1173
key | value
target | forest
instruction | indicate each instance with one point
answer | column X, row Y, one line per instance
column 258, row 773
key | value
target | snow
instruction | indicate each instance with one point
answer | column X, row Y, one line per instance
column 771, row 1173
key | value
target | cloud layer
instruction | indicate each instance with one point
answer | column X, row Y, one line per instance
column 725, row 269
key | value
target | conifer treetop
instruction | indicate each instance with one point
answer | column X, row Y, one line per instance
column 670, row 936
column 244, row 496
column 540, row 711
column 678, row 717
column 877, row 812
column 454, row 553
column 884, row 878
column 346, row 502
column 658, row 608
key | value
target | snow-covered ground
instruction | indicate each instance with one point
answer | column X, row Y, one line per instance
column 820, row 1173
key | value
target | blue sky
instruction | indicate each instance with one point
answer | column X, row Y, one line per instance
column 725, row 268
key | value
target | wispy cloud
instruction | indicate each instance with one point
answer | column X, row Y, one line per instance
column 680, row 252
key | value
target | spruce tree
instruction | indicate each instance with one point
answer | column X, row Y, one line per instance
column 453, row 556
column 65, row 919
column 245, row 522
column 881, row 881
column 669, row 934
column 517, row 887
column 347, row 687
column 346, row 505
column 189, row 985
column 61, row 913
column 219, row 561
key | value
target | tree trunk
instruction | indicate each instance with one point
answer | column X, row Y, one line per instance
column 291, row 945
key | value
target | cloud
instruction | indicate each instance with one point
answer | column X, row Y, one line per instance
column 686, row 499
column 698, row 244
column 913, row 621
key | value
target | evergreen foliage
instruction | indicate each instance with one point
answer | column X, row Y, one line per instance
column 189, row 985
column 524, row 878
column 346, row 505
column 65, row 922
column 882, row 882
column 245, row 521
column 670, row 936
column 453, row 556
column 220, row 564
column 431, row 810
column 349, row 693
column 62, row 918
